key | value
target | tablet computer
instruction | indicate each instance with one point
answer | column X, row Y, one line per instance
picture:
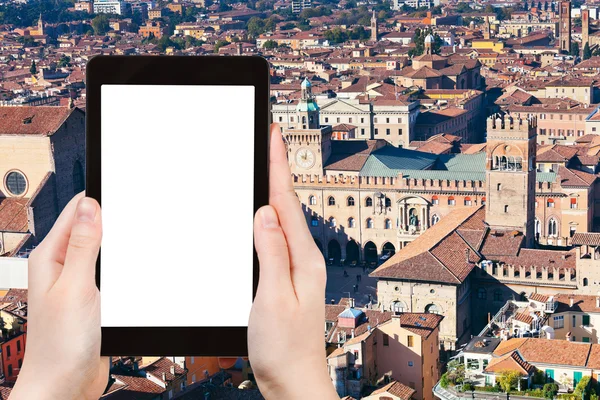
column 177, row 156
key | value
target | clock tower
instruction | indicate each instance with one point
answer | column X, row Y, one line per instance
column 309, row 144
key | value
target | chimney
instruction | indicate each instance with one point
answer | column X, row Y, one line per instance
column 571, row 300
column 351, row 302
column 352, row 333
column 164, row 377
column 569, row 337
column 172, row 370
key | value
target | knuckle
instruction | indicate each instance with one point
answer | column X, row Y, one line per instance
column 82, row 242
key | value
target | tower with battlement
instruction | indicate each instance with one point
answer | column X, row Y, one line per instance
column 565, row 26
column 510, row 174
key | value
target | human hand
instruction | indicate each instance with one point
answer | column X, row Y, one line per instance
column 62, row 356
column 287, row 322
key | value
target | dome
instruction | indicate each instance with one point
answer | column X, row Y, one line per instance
column 305, row 84
column 429, row 38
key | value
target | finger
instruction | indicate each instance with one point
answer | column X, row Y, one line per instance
column 306, row 260
column 46, row 261
column 273, row 256
column 84, row 244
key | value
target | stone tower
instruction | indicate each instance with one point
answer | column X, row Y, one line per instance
column 585, row 28
column 308, row 143
column 374, row 32
column 510, row 174
column 565, row 26
column 429, row 44
column 40, row 26
column 307, row 110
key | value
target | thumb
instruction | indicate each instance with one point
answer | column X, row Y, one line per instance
column 273, row 255
column 84, row 243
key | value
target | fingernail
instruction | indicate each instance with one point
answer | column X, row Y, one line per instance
column 86, row 210
column 269, row 218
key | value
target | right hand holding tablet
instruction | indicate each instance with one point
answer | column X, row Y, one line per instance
column 285, row 333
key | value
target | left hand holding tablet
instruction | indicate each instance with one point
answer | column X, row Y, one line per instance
column 285, row 340
column 62, row 357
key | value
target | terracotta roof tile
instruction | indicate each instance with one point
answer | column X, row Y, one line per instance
column 427, row 258
column 508, row 346
column 397, row 389
column 41, row 120
column 555, row 352
column 511, row 362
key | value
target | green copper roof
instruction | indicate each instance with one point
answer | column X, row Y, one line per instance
column 307, row 106
column 462, row 162
column 389, row 161
column 545, row 176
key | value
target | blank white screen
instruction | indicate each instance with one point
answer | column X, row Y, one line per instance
column 177, row 205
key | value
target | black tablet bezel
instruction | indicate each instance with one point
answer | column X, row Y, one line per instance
column 177, row 70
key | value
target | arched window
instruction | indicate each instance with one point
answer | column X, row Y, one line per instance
column 78, row 178
column 432, row 309
column 585, row 281
column 503, row 162
column 350, row 201
column 481, row 294
column 351, row 223
column 552, row 227
column 332, row 222
column 518, row 163
column 511, row 163
column 388, row 224
column 369, row 202
column 498, row 295
column 388, row 202
column 435, row 219
column 398, row 306
column 331, row 201
column 369, row 223
column 496, row 162
column 312, row 200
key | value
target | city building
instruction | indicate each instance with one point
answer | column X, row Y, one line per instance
column 111, row 7
column 43, row 165
column 375, row 347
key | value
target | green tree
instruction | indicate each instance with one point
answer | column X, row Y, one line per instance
column 444, row 381
column 270, row 45
column 64, row 61
column 462, row 8
column 574, row 49
column 100, row 25
column 509, row 380
column 581, row 388
column 550, row 390
column 220, row 43
column 256, row 26
column 33, row 68
column 359, row 33
column 336, row 35
column 587, row 53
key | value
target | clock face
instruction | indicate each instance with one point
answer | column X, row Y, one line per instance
column 305, row 158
